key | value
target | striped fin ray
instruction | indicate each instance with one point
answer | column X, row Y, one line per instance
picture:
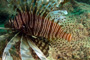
column 5, row 36
column 36, row 50
column 24, row 50
column 33, row 51
column 14, row 4
column 37, row 7
column 6, row 53
column 42, row 44
column 47, row 8
column 42, row 6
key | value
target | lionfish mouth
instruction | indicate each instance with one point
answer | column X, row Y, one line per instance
column 34, row 19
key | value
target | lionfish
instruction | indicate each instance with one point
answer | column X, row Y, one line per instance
column 35, row 25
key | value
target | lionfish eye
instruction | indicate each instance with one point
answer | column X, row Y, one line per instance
column 23, row 26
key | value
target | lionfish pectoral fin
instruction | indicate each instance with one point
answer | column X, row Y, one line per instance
column 5, row 36
column 37, row 50
column 6, row 53
column 24, row 50
column 4, row 28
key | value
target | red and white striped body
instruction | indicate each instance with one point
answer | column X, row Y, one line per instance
column 38, row 26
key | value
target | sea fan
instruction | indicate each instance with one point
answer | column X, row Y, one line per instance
column 36, row 24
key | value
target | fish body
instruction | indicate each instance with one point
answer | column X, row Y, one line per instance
column 36, row 25
column 40, row 20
